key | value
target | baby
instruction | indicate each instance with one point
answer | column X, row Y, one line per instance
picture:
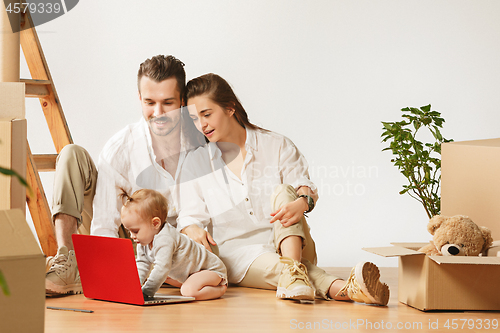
column 170, row 253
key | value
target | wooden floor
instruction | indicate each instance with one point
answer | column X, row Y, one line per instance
column 253, row 310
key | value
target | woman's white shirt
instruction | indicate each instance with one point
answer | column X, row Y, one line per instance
column 239, row 209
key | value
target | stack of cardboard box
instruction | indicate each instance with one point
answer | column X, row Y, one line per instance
column 22, row 264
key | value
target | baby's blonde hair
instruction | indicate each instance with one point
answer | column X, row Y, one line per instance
column 151, row 203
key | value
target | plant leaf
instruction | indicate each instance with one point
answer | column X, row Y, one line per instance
column 3, row 285
column 426, row 108
column 387, row 126
column 9, row 172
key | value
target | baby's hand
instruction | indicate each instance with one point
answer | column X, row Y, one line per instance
column 147, row 298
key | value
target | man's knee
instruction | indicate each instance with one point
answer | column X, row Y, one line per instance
column 69, row 153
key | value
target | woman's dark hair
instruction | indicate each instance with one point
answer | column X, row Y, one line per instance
column 219, row 91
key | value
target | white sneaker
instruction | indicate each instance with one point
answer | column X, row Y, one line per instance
column 49, row 261
column 63, row 276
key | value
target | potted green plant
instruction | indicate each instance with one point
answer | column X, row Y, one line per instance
column 419, row 162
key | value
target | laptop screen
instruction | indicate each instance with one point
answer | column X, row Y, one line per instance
column 107, row 269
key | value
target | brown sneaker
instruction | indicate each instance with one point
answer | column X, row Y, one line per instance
column 364, row 285
column 63, row 277
column 294, row 282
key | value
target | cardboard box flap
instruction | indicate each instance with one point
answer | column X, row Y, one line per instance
column 15, row 235
column 412, row 246
column 472, row 260
column 495, row 143
column 392, row 251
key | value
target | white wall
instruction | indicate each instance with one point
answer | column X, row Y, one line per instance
column 324, row 73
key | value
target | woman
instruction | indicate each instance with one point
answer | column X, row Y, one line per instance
column 251, row 187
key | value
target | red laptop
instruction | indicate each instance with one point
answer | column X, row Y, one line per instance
column 108, row 271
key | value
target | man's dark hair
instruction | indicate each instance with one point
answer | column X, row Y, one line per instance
column 162, row 67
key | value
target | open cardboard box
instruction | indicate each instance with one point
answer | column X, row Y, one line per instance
column 470, row 185
column 442, row 282
column 22, row 265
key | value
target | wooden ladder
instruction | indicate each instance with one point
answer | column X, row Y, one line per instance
column 42, row 87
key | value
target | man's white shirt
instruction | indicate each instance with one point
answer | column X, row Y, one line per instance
column 128, row 162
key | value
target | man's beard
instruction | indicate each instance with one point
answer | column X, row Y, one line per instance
column 163, row 131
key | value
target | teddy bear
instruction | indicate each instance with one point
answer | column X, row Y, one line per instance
column 456, row 236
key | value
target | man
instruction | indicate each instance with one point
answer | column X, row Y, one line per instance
column 147, row 154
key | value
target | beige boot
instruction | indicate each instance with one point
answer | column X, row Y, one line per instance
column 364, row 285
column 294, row 282
column 63, row 276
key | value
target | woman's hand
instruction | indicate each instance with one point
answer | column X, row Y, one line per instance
column 199, row 235
column 290, row 213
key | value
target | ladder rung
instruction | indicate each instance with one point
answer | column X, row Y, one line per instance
column 45, row 162
column 36, row 88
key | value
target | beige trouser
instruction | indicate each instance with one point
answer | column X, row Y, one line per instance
column 74, row 187
column 266, row 269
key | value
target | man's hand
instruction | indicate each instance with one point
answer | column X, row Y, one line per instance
column 199, row 235
column 290, row 213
